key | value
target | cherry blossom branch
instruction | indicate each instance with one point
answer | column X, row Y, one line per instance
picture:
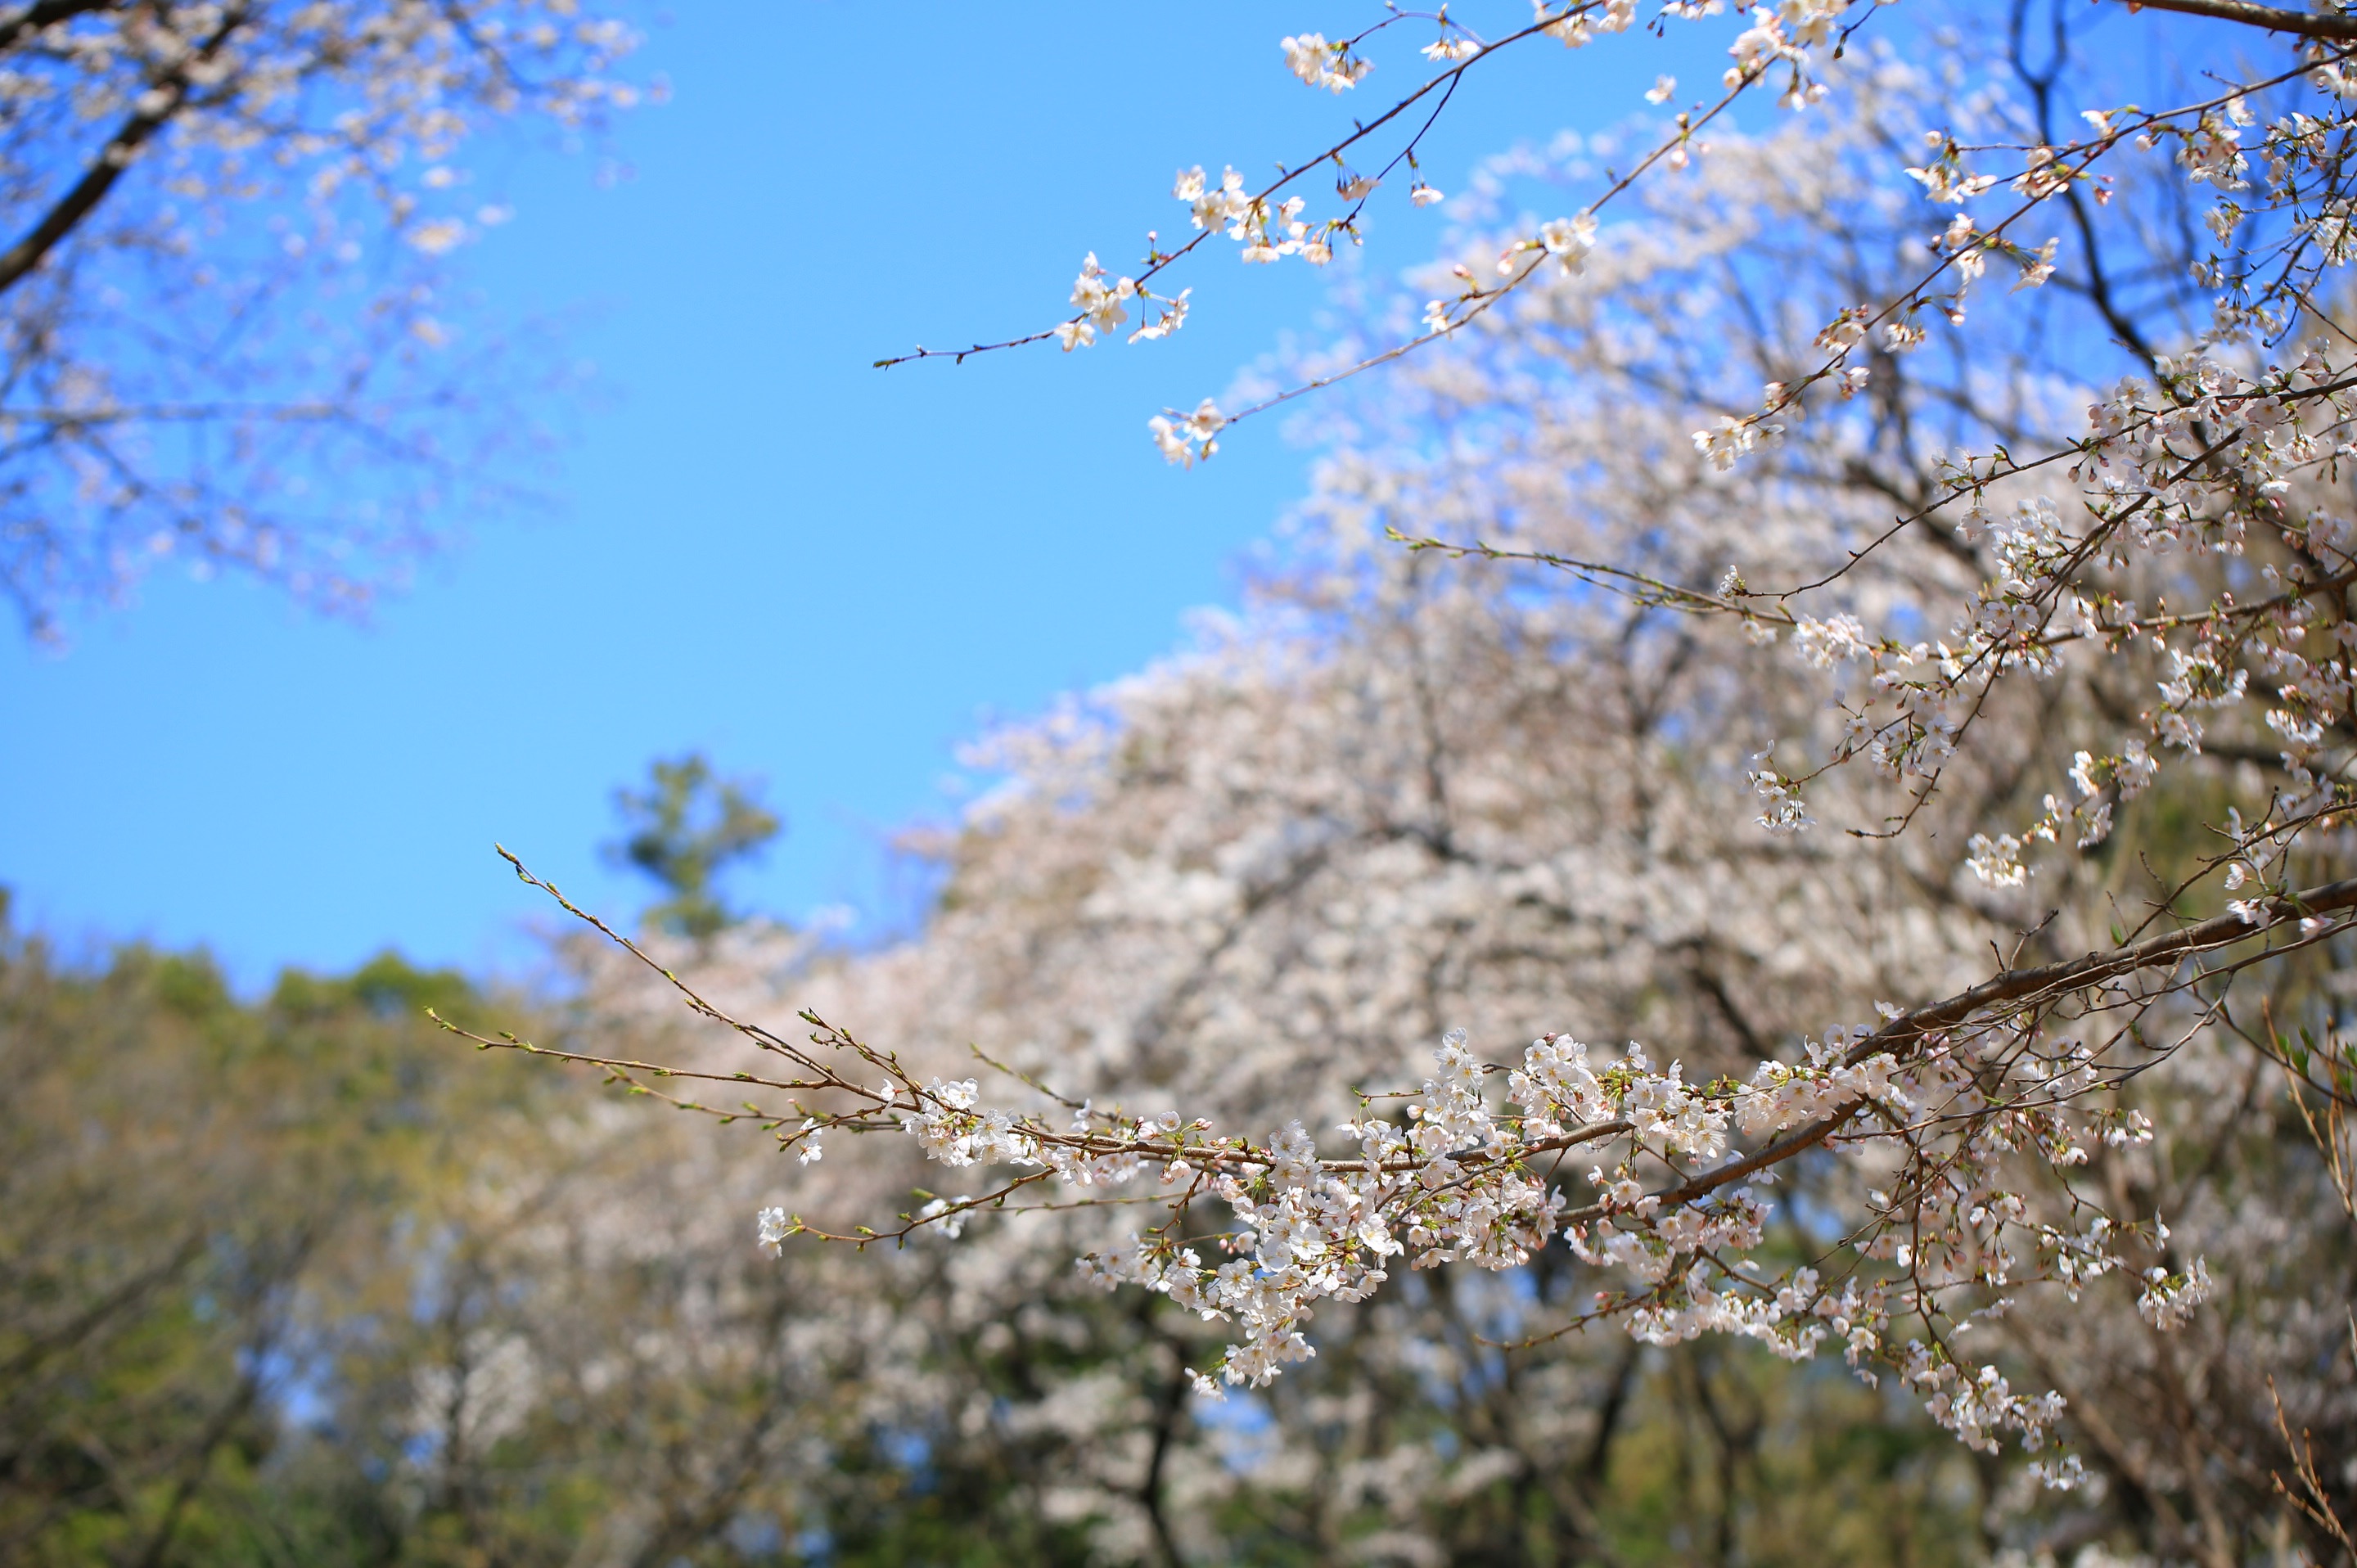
column 158, row 104
column 1640, row 587
column 2012, row 991
column 2274, row 18
column 1158, row 262
column 1477, row 301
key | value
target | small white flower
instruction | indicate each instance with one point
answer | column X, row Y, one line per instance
column 774, row 1228
column 1321, row 64
column 2037, row 269
column 1568, row 240
column 440, row 235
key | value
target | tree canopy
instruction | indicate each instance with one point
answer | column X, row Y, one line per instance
column 2014, row 615
column 223, row 333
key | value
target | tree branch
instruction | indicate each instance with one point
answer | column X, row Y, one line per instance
column 29, row 252
column 1903, row 1032
column 48, row 13
column 2275, row 19
column 2077, row 973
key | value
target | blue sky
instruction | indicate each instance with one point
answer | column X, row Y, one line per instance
column 821, row 574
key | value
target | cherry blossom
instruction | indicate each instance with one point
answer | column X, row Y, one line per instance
column 2058, row 567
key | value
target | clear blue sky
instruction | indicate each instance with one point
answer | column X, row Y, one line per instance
column 821, row 574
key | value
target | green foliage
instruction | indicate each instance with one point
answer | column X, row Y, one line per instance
column 186, row 1182
column 683, row 829
column 264, row 1263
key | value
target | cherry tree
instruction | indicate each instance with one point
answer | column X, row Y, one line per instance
column 224, row 333
column 1944, row 684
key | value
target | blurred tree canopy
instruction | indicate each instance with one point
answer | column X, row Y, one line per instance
column 209, row 1211
column 224, row 333
column 303, row 1281
column 683, row 829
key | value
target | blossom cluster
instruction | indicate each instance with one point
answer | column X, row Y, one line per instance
column 1454, row 1179
column 2200, row 463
